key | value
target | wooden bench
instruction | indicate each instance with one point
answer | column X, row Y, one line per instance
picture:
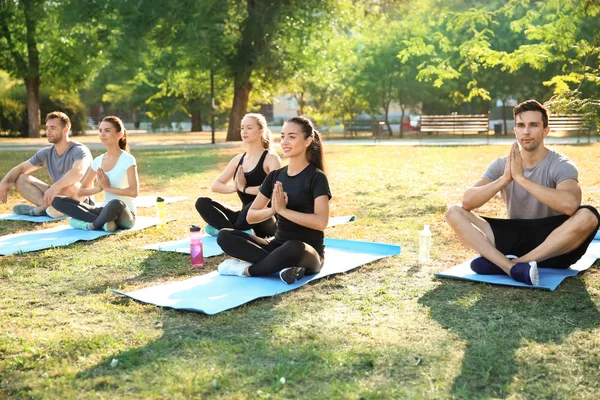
column 454, row 123
column 570, row 123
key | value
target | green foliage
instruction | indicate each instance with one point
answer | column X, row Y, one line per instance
column 511, row 48
column 11, row 110
column 13, row 113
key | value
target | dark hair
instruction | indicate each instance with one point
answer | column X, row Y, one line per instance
column 118, row 124
column 64, row 119
column 261, row 121
column 314, row 152
column 532, row 105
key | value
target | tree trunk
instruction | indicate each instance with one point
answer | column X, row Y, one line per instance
column 387, row 121
column 196, row 121
column 300, row 101
column 33, row 106
column 402, row 122
column 240, row 104
column 32, row 76
column 504, row 117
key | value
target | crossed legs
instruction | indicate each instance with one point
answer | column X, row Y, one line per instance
column 33, row 189
column 476, row 233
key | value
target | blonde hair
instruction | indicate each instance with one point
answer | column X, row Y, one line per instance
column 261, row 121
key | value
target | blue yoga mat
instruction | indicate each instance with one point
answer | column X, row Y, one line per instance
column 334, row 221
column 210, row 248
column 550, row 278
column 30, row 218
column 597, row 237
column 150, row 201
column 209, row 243
column 140, row 202
column 58, row 236
column 213, row 293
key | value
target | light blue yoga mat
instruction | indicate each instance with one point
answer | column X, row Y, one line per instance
column 140, row 202
column 209, row 243
column 213, row 293
column 30, row 218
column 150, row 201
column 550, row 278
column 58, row 236
column 334, row 221
column 597, row 237
column 210, row 248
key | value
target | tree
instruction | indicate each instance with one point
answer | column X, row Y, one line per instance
column 19, row 53
column 557, row 40
column 70, row 50
column 261, row 46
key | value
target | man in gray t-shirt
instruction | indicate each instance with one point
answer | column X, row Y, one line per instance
column 547, row 226
column 66, row 161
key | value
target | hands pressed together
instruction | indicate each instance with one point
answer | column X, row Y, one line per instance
column 279, row 199
column 515, row 166
column 102, row 179
column 240, row 179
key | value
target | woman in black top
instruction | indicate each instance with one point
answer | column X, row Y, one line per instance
column 299, row 195
column 247, row 171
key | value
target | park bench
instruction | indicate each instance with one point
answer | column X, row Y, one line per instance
column 570, row 123
column 356, row 125
column 455, row 123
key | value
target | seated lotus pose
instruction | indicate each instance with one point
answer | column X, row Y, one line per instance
column 116, row 174
column 66, row 161
column 247, row 171
column 547, row 226
column 299, row 196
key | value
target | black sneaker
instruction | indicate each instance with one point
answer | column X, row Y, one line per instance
column 292, row 274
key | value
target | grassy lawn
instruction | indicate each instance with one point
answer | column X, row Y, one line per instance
column 387, row 330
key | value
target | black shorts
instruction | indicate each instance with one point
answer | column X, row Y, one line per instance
column 519, row 236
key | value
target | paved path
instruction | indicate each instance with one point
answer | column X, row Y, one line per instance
column 182, row 141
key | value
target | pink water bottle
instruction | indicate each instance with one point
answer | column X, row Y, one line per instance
column 196, row 246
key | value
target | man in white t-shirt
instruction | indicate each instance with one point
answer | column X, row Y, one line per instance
column 66, row 161
column 547, row 226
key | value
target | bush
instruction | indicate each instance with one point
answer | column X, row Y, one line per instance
column 13, row 107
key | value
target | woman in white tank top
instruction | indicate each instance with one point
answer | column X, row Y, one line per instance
column 115, row 173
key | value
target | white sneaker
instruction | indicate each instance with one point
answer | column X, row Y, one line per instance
column 110, row 226
column 231, row 266
column 534, row 274
column 54, row 213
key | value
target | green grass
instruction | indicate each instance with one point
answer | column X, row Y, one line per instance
column 387, row 330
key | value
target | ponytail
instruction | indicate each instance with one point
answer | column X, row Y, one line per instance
column 265, row 139
column 314, row 152
column 123, row 142
column 118, row 124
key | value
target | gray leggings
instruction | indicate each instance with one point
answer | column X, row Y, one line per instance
column 115, row 210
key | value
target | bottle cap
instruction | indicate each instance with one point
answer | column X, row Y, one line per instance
column 426, row 228
column 195, row 228
column 159, row 199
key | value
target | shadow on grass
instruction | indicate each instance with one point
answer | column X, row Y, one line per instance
column 157, row 266
column 493, row 321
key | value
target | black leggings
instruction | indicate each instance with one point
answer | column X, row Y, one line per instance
column 268, row 257
column 219, row 217
column 115, row 210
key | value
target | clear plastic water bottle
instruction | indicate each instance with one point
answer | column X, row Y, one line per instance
column 196, row 253
column 160, row 211
column 424, row 244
